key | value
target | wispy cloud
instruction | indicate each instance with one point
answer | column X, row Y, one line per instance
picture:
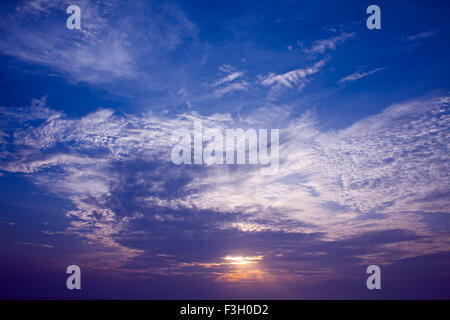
column 237, row 86
column 382, row 174
column 359, row 75
column 108, row 47
column 227, row 83
column 229, row 78
column 320, row 46
column 32, row 244
column 297, row 77
column 419, row 36
column 8, row 223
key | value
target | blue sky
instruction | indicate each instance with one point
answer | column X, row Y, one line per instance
column 86, row 118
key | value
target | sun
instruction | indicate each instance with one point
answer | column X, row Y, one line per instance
column 242, row 260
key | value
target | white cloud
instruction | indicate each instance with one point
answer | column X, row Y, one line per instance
column 37, row 7
column 384, row 172
column 375, row 175
column 236, row 86
column 359, row 75
column 320, row 46
column 229, row 78
column 108, row 47
column 227, row 84
column 227, row 68
column 419, row 36
column 297, row 77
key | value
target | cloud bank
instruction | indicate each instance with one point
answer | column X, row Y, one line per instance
column 384, row 175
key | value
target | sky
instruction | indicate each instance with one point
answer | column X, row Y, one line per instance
column 86, row 124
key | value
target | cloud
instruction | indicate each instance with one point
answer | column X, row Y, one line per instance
column 12, row 224
column 109, row 46
column 229, row 78
column 37, row 7
column 320, row 46
column 357, row 75
column 366, row 191
column 32, row 244
column 297, row 77
column 419, row 36
column 237, row 86
column 227, row 84
column 227, row 68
